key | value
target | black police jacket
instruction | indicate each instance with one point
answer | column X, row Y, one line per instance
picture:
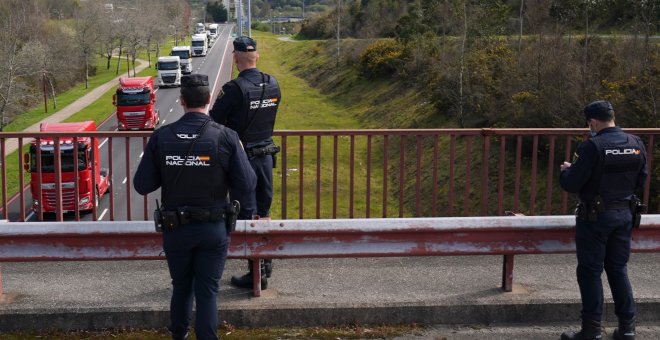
column 612, row 164
column 196, row 174
column 248, row 105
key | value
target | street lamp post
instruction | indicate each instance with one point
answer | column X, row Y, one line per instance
column 239, row 18
column 249, row 19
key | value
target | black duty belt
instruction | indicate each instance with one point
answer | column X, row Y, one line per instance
column 187, row 215
column 610, row 205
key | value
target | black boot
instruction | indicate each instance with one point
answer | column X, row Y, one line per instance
column 245, row 281
column 184, row 337
column 626, row 330
column 590, row 331
column 268, row 267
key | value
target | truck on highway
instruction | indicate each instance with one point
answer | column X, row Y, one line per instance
column 169, row 71
column 213, row 31
column 135, row 100
column 82, row 154
column 199, row 27
column 185, row 54
column 199, row 45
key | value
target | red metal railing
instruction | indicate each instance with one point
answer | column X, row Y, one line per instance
column 332, row 238
column 369, row 173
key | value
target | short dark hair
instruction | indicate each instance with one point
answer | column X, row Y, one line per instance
column 195, row 90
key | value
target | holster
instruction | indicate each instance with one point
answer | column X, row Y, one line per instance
column 231, row 214
column 637, row 209
column 270, row 149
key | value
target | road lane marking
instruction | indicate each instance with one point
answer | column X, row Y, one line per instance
column 103, row 213
column 103, row 143
column 177, row 100
column 29, row 217
column 172, row 109
column 124, row 181
column 141, row 154
column 164, row 120
column 215, row 83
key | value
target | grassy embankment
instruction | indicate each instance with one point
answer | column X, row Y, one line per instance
column 318, row 95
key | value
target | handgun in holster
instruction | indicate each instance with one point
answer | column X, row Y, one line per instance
column 231, row 215
column 273, row 150
column 637, row 208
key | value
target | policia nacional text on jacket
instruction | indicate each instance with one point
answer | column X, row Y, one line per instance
column 195, row 161
column 248, row 105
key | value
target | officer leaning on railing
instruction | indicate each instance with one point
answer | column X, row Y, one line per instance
column 195, row 162
column 607, row 170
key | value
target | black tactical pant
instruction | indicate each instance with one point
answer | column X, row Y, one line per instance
column 605, row 244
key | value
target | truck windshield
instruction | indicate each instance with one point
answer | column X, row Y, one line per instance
column 170, row 65
column 213, row 30
column 198, row 43
column 181, row 54
column 130, row 99
column 48, row 160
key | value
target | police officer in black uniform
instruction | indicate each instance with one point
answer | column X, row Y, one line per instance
column 609, row 167
column 248, row 105
column 195, row 161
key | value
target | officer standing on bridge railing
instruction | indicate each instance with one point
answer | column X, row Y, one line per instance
column 248, row 105
column 195, row 161
column 607, row 170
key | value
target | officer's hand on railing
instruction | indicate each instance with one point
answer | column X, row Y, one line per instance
column 565, row 166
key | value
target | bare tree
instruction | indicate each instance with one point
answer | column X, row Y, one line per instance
column 16, row 55
column 86, row 25
column 464, row 36
column 109, row 36
column 178, row 14
column 154, row 31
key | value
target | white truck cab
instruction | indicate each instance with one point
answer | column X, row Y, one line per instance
column 213, row 31
column 185, row 54
column 199, row 27
column 169, row 71
column 199, row 45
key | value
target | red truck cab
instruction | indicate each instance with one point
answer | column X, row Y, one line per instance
column 135, row 100
column 86, row 152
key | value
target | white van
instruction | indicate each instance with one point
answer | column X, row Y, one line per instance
column 169, row 71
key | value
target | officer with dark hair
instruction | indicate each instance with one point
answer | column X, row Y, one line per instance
column 248, row 105
column 195, row 162
column 609, row 167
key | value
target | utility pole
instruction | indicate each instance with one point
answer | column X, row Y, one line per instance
column 249, row 19
column 338, row 28
column 239, row 14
